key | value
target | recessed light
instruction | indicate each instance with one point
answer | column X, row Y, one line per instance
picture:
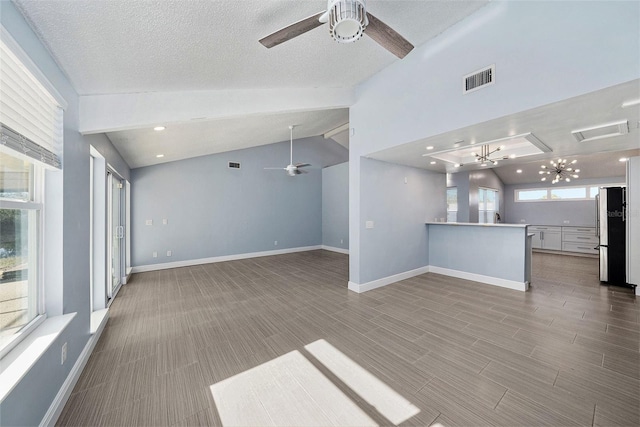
column 457, row 165
column 159, row 128
column 159, row 155
column 630, row 103
column 519, row 171
column 432, row 163
column 430, row 147
column 623, row 159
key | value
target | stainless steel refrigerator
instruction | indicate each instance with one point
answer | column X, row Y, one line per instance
column 611, row 226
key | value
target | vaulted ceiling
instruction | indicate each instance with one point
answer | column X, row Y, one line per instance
column 197, row 68
column 198, row 53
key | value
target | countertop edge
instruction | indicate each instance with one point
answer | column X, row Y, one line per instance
column 477, row 224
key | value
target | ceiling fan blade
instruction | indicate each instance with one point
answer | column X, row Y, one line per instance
column 275, row 169
column 291, row 31
column 387, row 37
column 302, row 165
column 299, row 171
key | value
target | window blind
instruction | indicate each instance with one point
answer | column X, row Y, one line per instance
column 31, row 119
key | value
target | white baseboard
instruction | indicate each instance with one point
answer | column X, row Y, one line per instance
column 334, row 249
column 495, row 281
column 363, row 287
column 188, row 263
column 54, row 411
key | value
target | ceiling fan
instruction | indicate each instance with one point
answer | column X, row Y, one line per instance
column 291, row 169
column 348, row 20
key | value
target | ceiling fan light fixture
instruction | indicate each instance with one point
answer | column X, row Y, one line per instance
column 347, row 19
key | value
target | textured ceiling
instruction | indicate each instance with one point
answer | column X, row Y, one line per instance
column 122, row 46
column 137, row 46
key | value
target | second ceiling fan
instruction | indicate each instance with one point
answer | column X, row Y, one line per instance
column 348, row 20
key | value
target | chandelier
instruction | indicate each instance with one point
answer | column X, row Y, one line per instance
column 559, row 171
column 485, row 152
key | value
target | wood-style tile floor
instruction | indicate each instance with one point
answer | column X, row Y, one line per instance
column 281, row 341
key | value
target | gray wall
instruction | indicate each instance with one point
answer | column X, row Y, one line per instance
column 398, row 242
column 215, row 211
column 31, row 398
column 335, row 206
column 578, row 213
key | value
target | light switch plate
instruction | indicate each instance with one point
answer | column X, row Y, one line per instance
column 148, row 222
column 165, row 221
column 369, row 224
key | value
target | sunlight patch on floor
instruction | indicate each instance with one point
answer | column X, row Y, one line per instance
column 387, row 402
column 287, row 390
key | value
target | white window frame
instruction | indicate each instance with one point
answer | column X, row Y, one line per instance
column 516, row 193
column 491, row 220
column 36, row 204
column 451, row 210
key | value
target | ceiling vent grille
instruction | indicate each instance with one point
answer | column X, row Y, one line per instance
column 479, row 79
column 602, row 131
column 234, row 165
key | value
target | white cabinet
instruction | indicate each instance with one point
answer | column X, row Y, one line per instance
column 546, row 237
column 580, row 239
column 568, row 239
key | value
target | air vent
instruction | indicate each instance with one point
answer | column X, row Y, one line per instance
column 234, row 165
column 479, row 79
column 601, row 131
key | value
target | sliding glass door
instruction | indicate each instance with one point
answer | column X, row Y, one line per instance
column 115, row 227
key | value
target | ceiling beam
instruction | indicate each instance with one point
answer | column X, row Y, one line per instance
column 109, row 113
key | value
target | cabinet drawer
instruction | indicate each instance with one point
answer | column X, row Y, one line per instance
column 534, row 228
column 585, row 230
column 580, row 238
column 579, row 247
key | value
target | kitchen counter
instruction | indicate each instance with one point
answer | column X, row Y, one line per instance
column 475, row 224
column 496, row 254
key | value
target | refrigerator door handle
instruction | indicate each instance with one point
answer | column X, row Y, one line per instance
column 597, row 215
column 624, row 204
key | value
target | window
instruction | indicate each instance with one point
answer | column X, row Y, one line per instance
column 569, row 193
column 30, row 143
column 20, row 213
column 531, row 195
column 452, row 204
column 559, row 193
column 487, row 205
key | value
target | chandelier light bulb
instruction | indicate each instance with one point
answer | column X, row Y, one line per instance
column 544, row 178
column 573, row 162
column 577, row 170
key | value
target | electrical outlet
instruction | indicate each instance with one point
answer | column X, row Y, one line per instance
column 275, row 243
column 63, row 355
column 155, row 254
column 523, row 220
column 148, row 222
column 566, row 221
column 341, row 241
column 168, row 253
column 368, row 224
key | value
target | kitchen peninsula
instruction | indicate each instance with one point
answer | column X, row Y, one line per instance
column 496, row 254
